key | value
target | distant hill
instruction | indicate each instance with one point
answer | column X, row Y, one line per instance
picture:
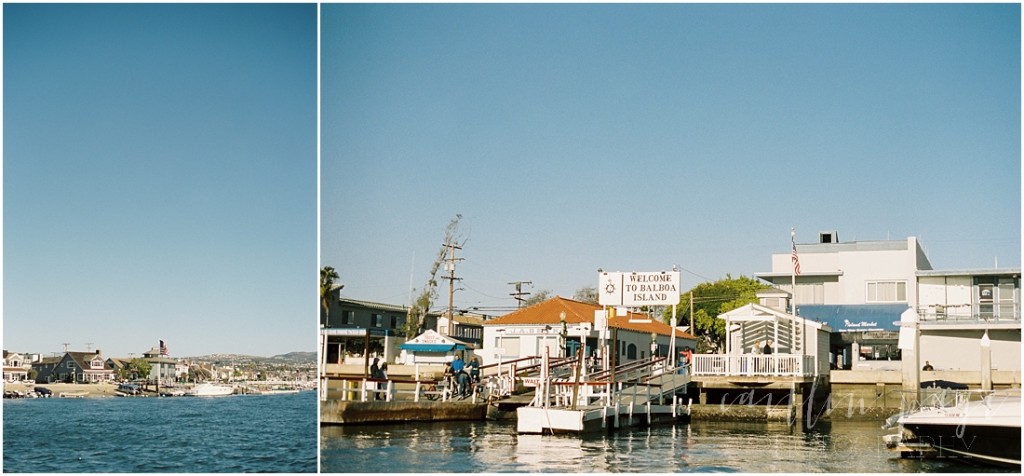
column 296, row 357
column 290, row 357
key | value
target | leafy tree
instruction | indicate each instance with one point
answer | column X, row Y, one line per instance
column 328, row 276
column 139, row 368
column 538, row 297
column 587, row 294
column 710, row 300
column 419, row 308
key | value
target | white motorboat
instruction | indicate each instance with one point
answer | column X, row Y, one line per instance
column 128, row 390
column 985, row 430
column 207, row 389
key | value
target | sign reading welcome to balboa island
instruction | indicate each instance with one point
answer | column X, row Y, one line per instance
column 638, row 289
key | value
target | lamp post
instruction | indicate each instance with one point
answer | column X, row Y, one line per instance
column 564, row 334
column 654, row 345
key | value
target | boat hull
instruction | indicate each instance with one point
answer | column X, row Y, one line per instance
column 209, row 390
column 985, row 430
column 998, row 445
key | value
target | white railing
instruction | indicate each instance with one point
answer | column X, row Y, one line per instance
column 754, row 365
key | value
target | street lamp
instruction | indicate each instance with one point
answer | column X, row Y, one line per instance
column 654, row 345
column 564, row 334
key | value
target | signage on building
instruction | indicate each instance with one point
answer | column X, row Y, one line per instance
column 638, row 289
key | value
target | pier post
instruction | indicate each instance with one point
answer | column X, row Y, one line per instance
column 986, row 362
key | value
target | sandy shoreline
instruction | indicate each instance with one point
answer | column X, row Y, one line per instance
column 94, row 389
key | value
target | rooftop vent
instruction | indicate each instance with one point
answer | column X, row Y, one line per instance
column 828, row 237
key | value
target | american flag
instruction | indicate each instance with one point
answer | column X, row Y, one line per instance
column 796, row 260
column 164, row 351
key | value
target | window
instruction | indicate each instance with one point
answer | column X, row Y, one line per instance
column 887, row 291
column 1007, row 299
column 378, row 320
column 349, row 317
column 394, row 322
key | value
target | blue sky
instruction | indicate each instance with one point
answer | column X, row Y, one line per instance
column 160, row 178
column 637, row 137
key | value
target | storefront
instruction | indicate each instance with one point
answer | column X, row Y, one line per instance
column 861, row 333
column 350, row 346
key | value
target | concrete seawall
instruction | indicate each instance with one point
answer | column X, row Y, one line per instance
column 336, row 412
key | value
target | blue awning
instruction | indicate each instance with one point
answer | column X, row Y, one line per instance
column 855, row 317
column 416, row 347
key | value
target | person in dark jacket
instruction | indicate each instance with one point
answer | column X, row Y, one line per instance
column 376, row 373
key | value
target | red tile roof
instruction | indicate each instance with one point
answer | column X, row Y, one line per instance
column 549, row 312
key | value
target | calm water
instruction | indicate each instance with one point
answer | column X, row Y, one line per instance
column 242, row 433
column 699, row 447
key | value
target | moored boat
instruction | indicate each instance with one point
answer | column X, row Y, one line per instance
column 128, row 390
column 207, row 389
column 985, row 430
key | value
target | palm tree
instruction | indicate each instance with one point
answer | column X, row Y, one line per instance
column 327, row 286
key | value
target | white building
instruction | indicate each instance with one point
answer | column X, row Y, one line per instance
column 861, row 290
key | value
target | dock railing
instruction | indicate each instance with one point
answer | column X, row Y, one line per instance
column 771, row 365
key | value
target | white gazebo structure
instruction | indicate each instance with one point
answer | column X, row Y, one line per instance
column 763, row 341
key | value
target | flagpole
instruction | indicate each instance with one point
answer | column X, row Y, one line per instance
column 795, row 260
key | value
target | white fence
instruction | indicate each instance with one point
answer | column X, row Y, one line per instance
column 754, row 365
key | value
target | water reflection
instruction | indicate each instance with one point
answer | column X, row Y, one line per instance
column 490, row 447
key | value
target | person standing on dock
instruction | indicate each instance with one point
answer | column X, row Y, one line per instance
column 458, row 371
column 376, row 373
column 474, row 370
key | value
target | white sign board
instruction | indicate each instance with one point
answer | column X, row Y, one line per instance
column 638, row 289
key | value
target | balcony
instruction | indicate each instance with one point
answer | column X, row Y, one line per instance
column 969, row 314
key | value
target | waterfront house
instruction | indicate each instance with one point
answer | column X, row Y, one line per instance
column 559, row 326
column 74, row 367
column 14, row 367
column 118, row 366
column 163, row 369
column 44, row 368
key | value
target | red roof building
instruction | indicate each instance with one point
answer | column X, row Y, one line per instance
column 559, row 326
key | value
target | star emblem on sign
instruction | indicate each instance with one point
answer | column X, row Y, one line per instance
column 609, row 288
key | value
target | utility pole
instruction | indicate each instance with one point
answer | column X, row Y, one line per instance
column 450, row 267
column 88, row 346
column 66, row 344
column 519, row 292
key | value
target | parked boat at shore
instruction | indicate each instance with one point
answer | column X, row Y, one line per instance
column 78, row 394
column 985, row 430
column 128, row 390
column 207, row 389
